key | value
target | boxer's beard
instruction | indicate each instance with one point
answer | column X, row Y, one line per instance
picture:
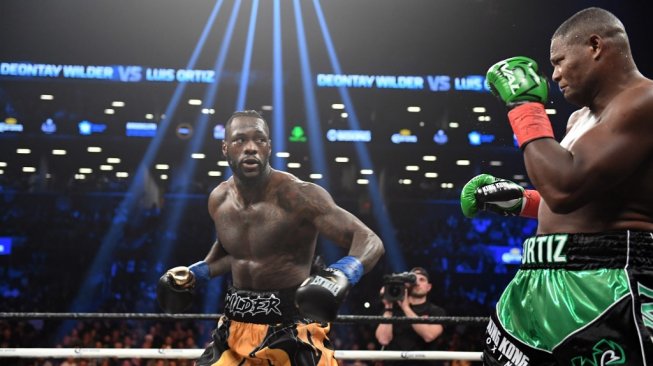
column 238, row 172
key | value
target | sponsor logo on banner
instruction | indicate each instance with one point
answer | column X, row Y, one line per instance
column 404, row 136
column 349, row 135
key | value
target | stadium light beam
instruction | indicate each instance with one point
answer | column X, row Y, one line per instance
column 126, row 207
column 384, row 222
column 247, row 58
column 185, row 174
column 318, row 160
column 85, row 300
column 278, row 102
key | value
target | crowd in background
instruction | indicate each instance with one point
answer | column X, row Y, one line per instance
column 57, row 237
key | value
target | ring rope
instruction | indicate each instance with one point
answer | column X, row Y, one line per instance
column 191, row 353
column 355, row 319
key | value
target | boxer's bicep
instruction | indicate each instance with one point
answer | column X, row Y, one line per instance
column 315, row 205
column 331, row 221
column 346, row 230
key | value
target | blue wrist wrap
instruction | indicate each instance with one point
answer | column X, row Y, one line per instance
column 351, row 267
column 200, row 271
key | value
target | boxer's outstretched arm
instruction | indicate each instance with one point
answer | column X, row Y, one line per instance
column 320, row 295
column 338, row 225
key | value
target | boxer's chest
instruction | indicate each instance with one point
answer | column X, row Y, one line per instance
column 583, row 124
column 258, row 228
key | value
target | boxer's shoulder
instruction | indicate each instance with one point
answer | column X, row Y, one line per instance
column 635, row 102
column 287, row 185
column 301, row 197
column 218, row 195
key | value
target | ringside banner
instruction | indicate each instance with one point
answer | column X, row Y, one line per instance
column 118, row 73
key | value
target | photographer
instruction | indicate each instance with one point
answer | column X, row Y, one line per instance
column 410, row 302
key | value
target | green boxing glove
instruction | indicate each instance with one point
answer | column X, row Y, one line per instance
column 487, row 193
column 518, row 83
column 517, row 80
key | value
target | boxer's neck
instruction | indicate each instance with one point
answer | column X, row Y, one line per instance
column 252, row 191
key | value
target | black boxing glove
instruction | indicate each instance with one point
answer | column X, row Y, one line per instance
column 175, row 290
column 320, row 295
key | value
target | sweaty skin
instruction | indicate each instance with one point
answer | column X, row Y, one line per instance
column 604, row 180
column 268, row 221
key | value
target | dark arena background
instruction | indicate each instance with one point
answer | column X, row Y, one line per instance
column 112, row 117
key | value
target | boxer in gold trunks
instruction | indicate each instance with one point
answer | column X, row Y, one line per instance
column 267, row 223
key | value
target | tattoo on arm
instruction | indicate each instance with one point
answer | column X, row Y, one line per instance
column 313, row 203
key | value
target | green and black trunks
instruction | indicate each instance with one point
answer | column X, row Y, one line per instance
column 579, row 300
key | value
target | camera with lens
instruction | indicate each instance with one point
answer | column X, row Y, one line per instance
column 395, row 285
